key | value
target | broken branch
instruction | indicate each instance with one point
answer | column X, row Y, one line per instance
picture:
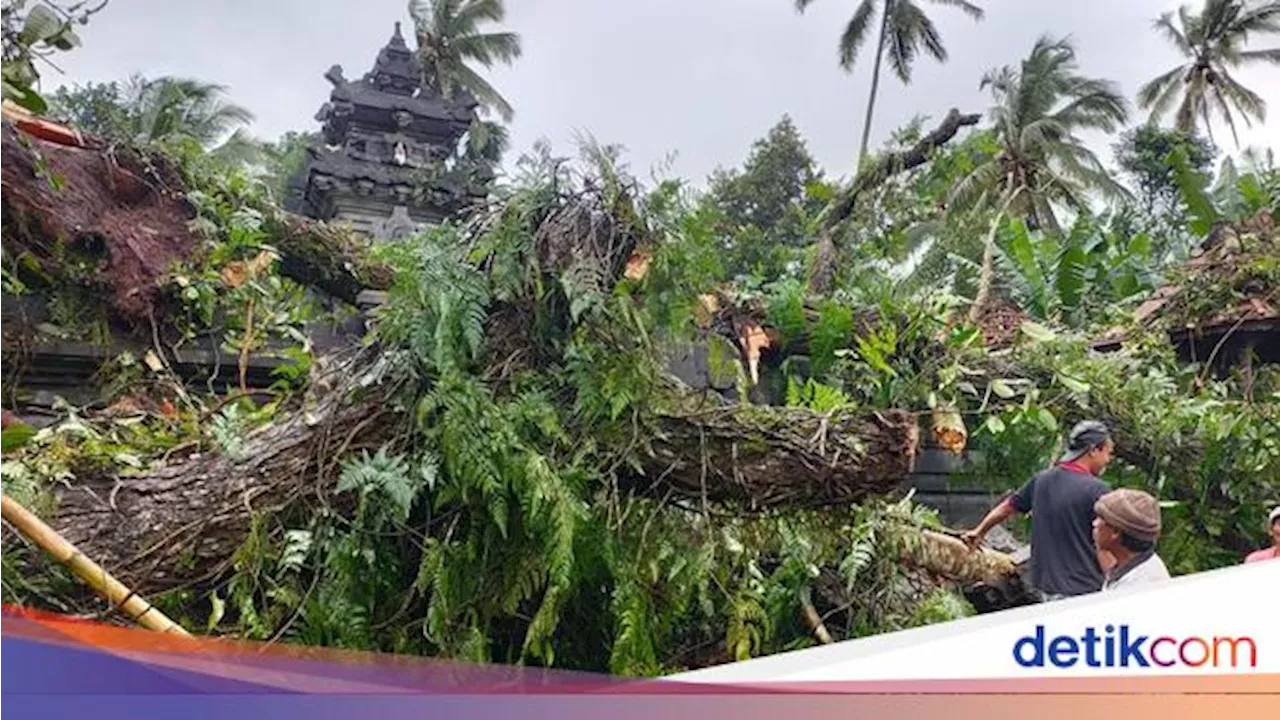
column 891, row 164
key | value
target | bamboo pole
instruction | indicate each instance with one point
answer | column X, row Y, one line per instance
column 812, row 618
column 116, row 593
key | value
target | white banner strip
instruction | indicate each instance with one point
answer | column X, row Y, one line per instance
column 1217, row 622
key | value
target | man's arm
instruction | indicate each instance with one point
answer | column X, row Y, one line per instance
column 995, row 516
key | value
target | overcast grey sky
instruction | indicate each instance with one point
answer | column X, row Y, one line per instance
column 698, row 78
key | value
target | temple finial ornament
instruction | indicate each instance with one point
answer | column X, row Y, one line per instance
column 334, row 76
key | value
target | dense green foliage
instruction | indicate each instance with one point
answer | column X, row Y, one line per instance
column 766, row 205
column 149, row 111
column 493, row 527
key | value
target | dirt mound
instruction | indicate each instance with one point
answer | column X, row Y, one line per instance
column 102, row 217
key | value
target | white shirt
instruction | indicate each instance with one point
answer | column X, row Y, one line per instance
column 1148, row 571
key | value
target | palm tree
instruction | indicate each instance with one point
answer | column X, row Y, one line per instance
column 486, row 143
column 1040, row 106
column 1212, row 43
column 904, row 30
column 449, row 36
column 169, row 107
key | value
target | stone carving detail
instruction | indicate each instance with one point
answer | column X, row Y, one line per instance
column 399, row 226
column 334, row 76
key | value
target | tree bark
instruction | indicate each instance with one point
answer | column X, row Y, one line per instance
column 986, row 276
column 328, row 257
column 875, row 85
column 181, row 523
column 758, row 458
column 950, row 558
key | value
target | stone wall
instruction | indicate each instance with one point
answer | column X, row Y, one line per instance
column 42, row 364
column 938, row 483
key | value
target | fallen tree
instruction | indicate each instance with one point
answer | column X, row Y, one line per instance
column 759, row 458
column 181, row 521
column 505, row 452
column 1159, row 427
column 500, row 450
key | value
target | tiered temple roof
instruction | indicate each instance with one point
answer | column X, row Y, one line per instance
column 387, row 162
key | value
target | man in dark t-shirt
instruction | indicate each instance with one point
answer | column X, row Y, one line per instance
column 1064, row 559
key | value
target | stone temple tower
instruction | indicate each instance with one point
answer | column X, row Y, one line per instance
column 389, row 159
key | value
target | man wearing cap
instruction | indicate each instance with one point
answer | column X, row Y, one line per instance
column 1064, row 559
column 1127, row 527
column 1273, row 552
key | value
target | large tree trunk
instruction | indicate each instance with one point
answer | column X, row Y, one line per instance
column 182, row 522
column 767, row 457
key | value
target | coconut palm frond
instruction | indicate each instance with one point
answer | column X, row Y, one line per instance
column 855, row 33
column 1175, row 35
column 450, row 36
column 487, row 95
column 968, row 8
column 1212, row 41
column 902, row 41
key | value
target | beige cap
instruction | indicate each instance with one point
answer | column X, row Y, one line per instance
column 1133, row 512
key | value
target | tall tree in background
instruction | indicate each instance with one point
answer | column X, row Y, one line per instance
column 1040, row 106
column 772, row 180
column 450, row 35
column 764, row 206
column 1212, row 44
column 284, row 160
column 905, row 30
column 1153, row 158
column 156, row 110
column 95, row 108
column 1143, row 155
column 165, row 109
